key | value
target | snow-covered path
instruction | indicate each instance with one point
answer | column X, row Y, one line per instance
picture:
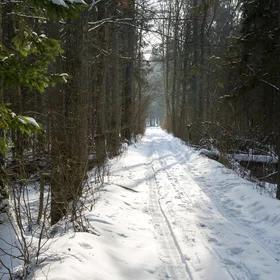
column 209, row 241
column 187, row 217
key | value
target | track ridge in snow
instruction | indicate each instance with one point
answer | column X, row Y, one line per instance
column 183, row 196
column 170, row 235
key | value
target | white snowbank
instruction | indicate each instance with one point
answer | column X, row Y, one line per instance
column 125, row 247
column 180, row 216
column 64, row 2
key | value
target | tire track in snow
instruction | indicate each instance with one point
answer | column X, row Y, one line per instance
column 212, row 251
column 238, row 267
column 176, row 266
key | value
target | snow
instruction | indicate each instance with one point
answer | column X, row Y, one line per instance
column 28, row 120
column 32, row 121
column 8, row 245
column 213, row 154
column 255, row 158
column 64, row 2
column 167, row 212
column 125, row 247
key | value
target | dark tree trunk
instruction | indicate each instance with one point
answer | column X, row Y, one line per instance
column 69, row 139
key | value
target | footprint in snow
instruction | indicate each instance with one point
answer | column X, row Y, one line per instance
column 229, row 262
column 85, row 245
column 241, row 235
column 202, row 225
column 214, row 240
column 122, row 235
column 236, row 250
column 150, row 271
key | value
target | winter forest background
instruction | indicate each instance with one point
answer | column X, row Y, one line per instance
column 81, row 79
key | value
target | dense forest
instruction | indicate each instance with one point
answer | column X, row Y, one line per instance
column 221, row 75
column 77, row 87
column 76, row 71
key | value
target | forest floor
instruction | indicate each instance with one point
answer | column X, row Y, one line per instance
column 167, row 212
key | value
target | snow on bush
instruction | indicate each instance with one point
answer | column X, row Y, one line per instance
column 64, row 2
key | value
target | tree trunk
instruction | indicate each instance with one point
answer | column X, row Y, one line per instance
column 69, row 131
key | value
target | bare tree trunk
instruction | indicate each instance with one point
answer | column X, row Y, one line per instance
column 100, row 91
column 202, row 67
column 195, row 64
column 175, row 67
column 129, row 12
column 69, row 137
column 115, row 89
column 166, row 67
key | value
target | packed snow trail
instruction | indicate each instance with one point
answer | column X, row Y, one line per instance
column 179, row 216
column 210, row 240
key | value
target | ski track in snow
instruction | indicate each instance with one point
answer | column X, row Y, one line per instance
column 234, row 251
column 190, row 219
